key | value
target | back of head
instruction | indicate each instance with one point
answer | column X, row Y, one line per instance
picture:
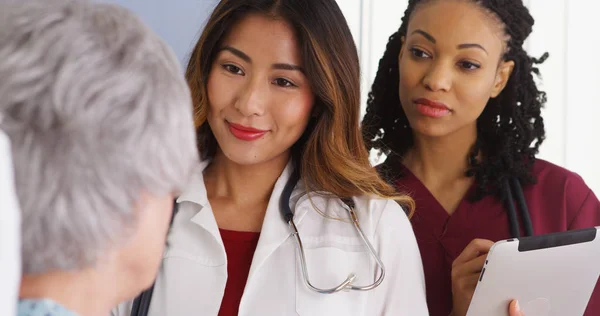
column 98, row 113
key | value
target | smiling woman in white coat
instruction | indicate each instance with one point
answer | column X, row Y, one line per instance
column 276, row 91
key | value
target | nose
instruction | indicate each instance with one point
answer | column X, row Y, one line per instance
column 438, row 77
column 253, row 98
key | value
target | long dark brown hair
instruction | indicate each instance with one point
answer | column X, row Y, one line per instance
column 331, row 153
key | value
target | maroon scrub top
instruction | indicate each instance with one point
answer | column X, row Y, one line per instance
column 559, row 201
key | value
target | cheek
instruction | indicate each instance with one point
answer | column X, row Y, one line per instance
column 220, row 92
column 404, row 87
column 409, row 75
column 294, row 116
column 474, row 93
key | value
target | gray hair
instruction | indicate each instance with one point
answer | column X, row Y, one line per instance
column 98, row 113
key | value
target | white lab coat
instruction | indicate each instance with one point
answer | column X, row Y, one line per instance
column 192, row 278
column 10, row 232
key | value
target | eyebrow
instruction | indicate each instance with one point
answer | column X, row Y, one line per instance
column 238, row 53
column 430, row 38
column 427, row 36
column 246, row 58
column 472, row 45
column 288, row 67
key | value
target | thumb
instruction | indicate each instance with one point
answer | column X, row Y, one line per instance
column 514, row 309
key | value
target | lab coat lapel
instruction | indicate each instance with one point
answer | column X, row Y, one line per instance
column 275, row 231
column 196, row 193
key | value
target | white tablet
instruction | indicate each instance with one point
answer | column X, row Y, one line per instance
column 550, row 275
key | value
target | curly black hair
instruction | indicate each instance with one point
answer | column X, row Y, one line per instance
column 509, row 131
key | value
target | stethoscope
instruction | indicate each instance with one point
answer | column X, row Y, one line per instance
column 141, row 303
column 349, row 206
column 514, row 185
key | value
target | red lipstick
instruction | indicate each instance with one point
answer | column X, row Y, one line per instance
column 431, row 108
column 245, row 133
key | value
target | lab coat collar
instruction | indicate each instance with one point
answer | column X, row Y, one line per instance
column 275, row 230
column 195, row 191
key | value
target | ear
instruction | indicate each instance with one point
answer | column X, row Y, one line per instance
column 502, row 75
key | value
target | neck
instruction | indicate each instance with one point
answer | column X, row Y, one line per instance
column 441, row 159
column 72, row 290
column 243, row 184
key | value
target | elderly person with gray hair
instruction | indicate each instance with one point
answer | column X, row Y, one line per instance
column 99, row 117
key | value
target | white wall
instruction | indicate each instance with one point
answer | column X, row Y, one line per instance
column 567, row 29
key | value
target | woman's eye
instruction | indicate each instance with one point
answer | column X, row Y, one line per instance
column 233, row 69
column 283, row 83
column 467, row 65
column 419, row 53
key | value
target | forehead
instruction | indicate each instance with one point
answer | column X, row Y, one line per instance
column 456, row 22
column 262, row 36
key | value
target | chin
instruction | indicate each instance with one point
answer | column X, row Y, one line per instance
column 430, row 129
column 245, row 157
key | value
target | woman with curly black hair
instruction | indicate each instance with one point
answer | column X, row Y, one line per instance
column 456, row 109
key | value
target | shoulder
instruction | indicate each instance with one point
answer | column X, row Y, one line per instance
column 384, row 223
column 546, row 170
column 387, row 210
column 566, row 192
column 386, row 218
column 553, row 179
column 42, row 307
column 375, row 215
